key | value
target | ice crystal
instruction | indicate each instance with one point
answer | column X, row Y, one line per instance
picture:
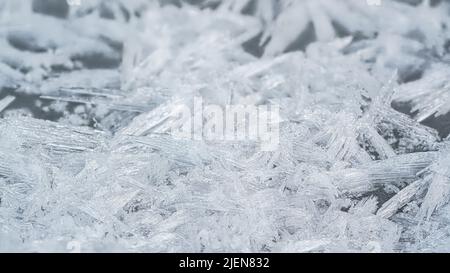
column 90, row 94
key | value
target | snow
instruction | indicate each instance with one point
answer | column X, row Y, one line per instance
column 89, row 95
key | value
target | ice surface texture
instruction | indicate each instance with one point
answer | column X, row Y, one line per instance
column 87, row 94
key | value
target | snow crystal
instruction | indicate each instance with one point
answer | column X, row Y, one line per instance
column 90, row 95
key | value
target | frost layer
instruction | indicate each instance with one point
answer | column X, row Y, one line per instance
column 88, row 93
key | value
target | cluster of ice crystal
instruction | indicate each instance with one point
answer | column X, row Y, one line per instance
column 88, row 94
